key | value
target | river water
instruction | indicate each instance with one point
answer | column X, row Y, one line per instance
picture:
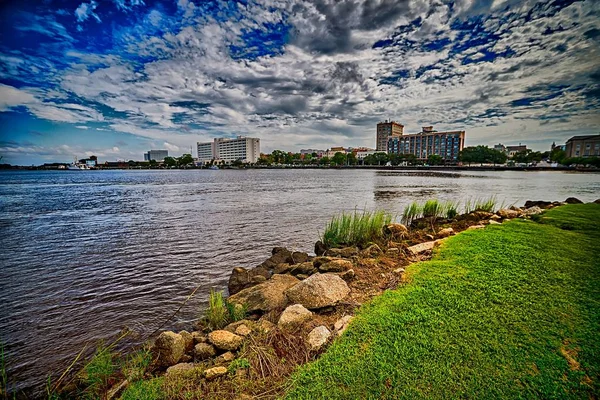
column 86, row 254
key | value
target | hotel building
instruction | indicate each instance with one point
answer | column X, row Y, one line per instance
column 428, row 142
column 242, row 148
column 386, row 130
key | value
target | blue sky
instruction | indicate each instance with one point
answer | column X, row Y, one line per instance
column 116, row 78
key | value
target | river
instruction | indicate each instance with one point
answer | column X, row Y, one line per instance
column 86, row 254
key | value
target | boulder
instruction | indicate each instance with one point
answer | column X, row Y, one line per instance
column 494, row 222
column 318, row 337
column 282, row 268
column 507, row 213
column 299, row 257
column 345, row 252
column 225, row 358
column 265, row 325
column 573, row 200
column 168, row 349
column 318, row 261
column 225, row 340
column 338, row 265
column 535, row 210
column 347, row 275
column 188, row 341
column 199, row 337
column 539, row 203
column 234, row 325
column 203, row 351
column 294, row 315
column 215, row 372
column 473, row 227
column 422, row 247
column 256, row 279
column 178, row 368
column 318, row 291
column 597, row 201
column 481, row 214
column 279, row 255
column 242, row 278
column 442, row 233
column 372, row 251
column 243, row 330
column 342, row 324
column 396, row 230
column 266, row 296
column 305, row 268
column 320, row 248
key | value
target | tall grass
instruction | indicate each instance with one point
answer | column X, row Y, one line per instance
column 433, row 209
column 220, row 312
column 355, row 229
column 451, row 209
column 411, row 212
column 98, row 371
column 136, row 364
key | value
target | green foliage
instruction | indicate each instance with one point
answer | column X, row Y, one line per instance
column 238, row 363
column 488, row 205
column 506, row 312
column 451, row 209
column 434, row 159
column 216, row 315
column 481, row 154
column 433, row 209
column 235, row 312
column 136, row 364
column 170, row 161
column 185, row 159
column 355, row 229
column 144, row 390
column 339, row 158
column 585, row 161
column 98, row 371
column 411, row 212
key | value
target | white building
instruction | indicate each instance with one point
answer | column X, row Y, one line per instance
column 241, row 148
column 360, row 155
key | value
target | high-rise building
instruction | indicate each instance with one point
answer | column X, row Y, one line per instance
column 242, row 148
column 429, row 142
column 385, row 130
column 157, row 155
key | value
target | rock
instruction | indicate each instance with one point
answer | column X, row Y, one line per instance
column 338, row 265
column 234, row 325
column 305, row 268
column 243, row 330
column 481, row 214
column 372, row 251
column 202, row 351
column 318, row 290
column 473, row 227
column 318, row 261
column 266, row 296
column 265, row 325
column 188, row 341
column 178, row 368
column 495, row 217
column 399, row 271
column 293, row 316
column 242, row 278
column 509, row 214
column 320, row 248
column 168, row 348
column 429, row 237
column 540, row 204
column 214, row 372
column 318, row 337
column 346, row 252
column 347, row 275
column 342, row 324
column 199, row 337
column 225, row 340
column 279, row 255
column 256, row 279
column 225, row 358
column 302, row 276
column 442, row 233
column 494, row 222
column 282, row 268
column 573, row 200
column 535, row 210
column 392, row 252
column 515, row 208
column 299, row 257
column 186, row 358
column 396, row 230
column 422, row 247
column 597, row 201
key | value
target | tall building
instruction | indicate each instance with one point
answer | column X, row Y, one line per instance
column 583, row 146
column 157, row 155
column 242, row 148
column 385, row 130
column 428, row 142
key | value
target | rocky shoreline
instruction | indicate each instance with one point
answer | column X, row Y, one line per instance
column 295, row 304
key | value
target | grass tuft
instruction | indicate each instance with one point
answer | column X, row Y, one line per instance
column 98, row 371
column 136, row 364
column 216, row 315
column 451, row 209
column 146, row 390
column 411, row 212
column 355, row 229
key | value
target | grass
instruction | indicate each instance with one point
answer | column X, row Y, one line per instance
column 451, row 209
column 433, row 209
column 220, row 312
column 489, row 204
column 510, row 311
column 136, row 364
column 411, row 212
column 97, row 372
column 145, row 390
column 355, row 229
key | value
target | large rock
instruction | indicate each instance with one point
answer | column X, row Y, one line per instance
column 442, row 233
column 480, row 215
column 266, row 296
column 299, row 257
column 345, row 252
column 535, row 210
column 539, row 203
column 215, row 372
column 396, row 230
column 509, row 214
column 188, row 340
column 305, row 268
column 597, row 201
column 339, row 265
column 279, row 255
column 242, row 278
column 318, row 337
column 203, row 351
column 179, row 368
column 293, row 316
column 168, row 349
column 573, row 200
column 225, row 340
column 320, row 248
column 318, row 290
column 422, row 247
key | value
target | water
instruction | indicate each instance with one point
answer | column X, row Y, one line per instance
column 89, row 253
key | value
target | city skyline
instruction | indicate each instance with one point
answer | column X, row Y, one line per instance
column 116, row 78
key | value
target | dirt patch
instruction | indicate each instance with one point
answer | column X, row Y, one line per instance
column 570, row 354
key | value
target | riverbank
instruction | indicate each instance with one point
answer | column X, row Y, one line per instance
column 255, row 356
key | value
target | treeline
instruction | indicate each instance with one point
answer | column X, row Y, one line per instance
column 339, row 158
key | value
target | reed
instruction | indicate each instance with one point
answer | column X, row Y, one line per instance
column 411, row 212
column 433, row 209
column 451, row 209
column 216, row 315
column 355, row 229
column 487, row 205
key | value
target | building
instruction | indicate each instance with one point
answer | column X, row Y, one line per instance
column 157, row 155
column 429, row 142
column 583, row 146
column 310, row 151
column 242, row 149
column 90, row 162
column 362, row 154
column 500, row 147
column 512, row 150
column 385, row 130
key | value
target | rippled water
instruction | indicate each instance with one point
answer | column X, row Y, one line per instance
column 88, row 253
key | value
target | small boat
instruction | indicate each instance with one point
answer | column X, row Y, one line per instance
column 77, row 166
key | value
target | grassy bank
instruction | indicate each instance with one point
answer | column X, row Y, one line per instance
column 511, row 311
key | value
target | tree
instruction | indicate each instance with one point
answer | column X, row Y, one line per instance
column 339, row 158
column 434, row 159
column 185, row 159
column 521, row 156
column 152, row 163
column 381, row 158
column 351, row 158
column 324, row 161
column 170, row 162
column 278, row 156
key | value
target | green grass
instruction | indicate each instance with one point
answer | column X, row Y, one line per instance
column 510, row 311
column 220, row 312
column 411, row 212
column 450, row 209
column 98, row 371
column 355, row 229
column 433, row 209
column 145, row 390
column 135, row 364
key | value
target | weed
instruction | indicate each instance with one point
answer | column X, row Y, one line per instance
column 411, row 212
column 238, row 363
column 432, row 209
column 355, row 228
column 451, row 209
column 136, row 364
column 98, row 371
column 216, row 314
column 236, row 312
column 146, row 390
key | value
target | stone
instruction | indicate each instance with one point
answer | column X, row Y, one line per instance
column 396, row 230
column 540, row 204
column 299, row 257
column 345, row 252
column 535, row 210
column 225, row 358
column 293, row 316
column 597, row 201
column 422, row 247
column 494, row 222
column 320, row 248
column 341, row 324
column 178, row 368
column 495, row 217
column 318, row 261
column 214, row 372
column 318, row 290
column 347, row 275
column 481, row 214
column 507, row 213
column 188, row 341
column 372, row 251
column 198, row 337
column 279, row 255
column 257, row 279
column 399, row 271
column 429, row 237
column 282, row 268
column 243, row 330
column 392, row 252
column 203, row 351
column 186, row 358
column 168, row 348
column 225, row 340
column 242, row 278
column 302, row 276
column 305, row 268
column 318, row 337
column 336, row 266
column 442, row 233
column 266, row 296
column 473, row 227
column 234, row 325
column 573, row 200
column 265, row 325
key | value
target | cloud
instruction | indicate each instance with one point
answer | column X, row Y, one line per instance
column 12, row 97
column 127, row 5
column 86, row 10
column 170, row 147
column 81, row 127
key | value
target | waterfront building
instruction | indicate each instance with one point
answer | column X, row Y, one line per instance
column 311, row 151
column 583, row 146
column 429, row 142
column 512, row 150
column 500, row 147
column 385, row 131
column 157, row 155
column 362, row 154
column 241, row 148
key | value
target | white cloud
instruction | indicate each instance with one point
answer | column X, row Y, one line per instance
column 81, row 127
column 86, row 10
column 13, row 97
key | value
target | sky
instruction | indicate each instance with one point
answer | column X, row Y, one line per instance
column 116, row 78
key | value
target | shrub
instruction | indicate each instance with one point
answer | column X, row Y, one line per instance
column 356, row 228
column 411, row 212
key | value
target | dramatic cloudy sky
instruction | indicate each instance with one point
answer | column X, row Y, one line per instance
column 118, row 77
